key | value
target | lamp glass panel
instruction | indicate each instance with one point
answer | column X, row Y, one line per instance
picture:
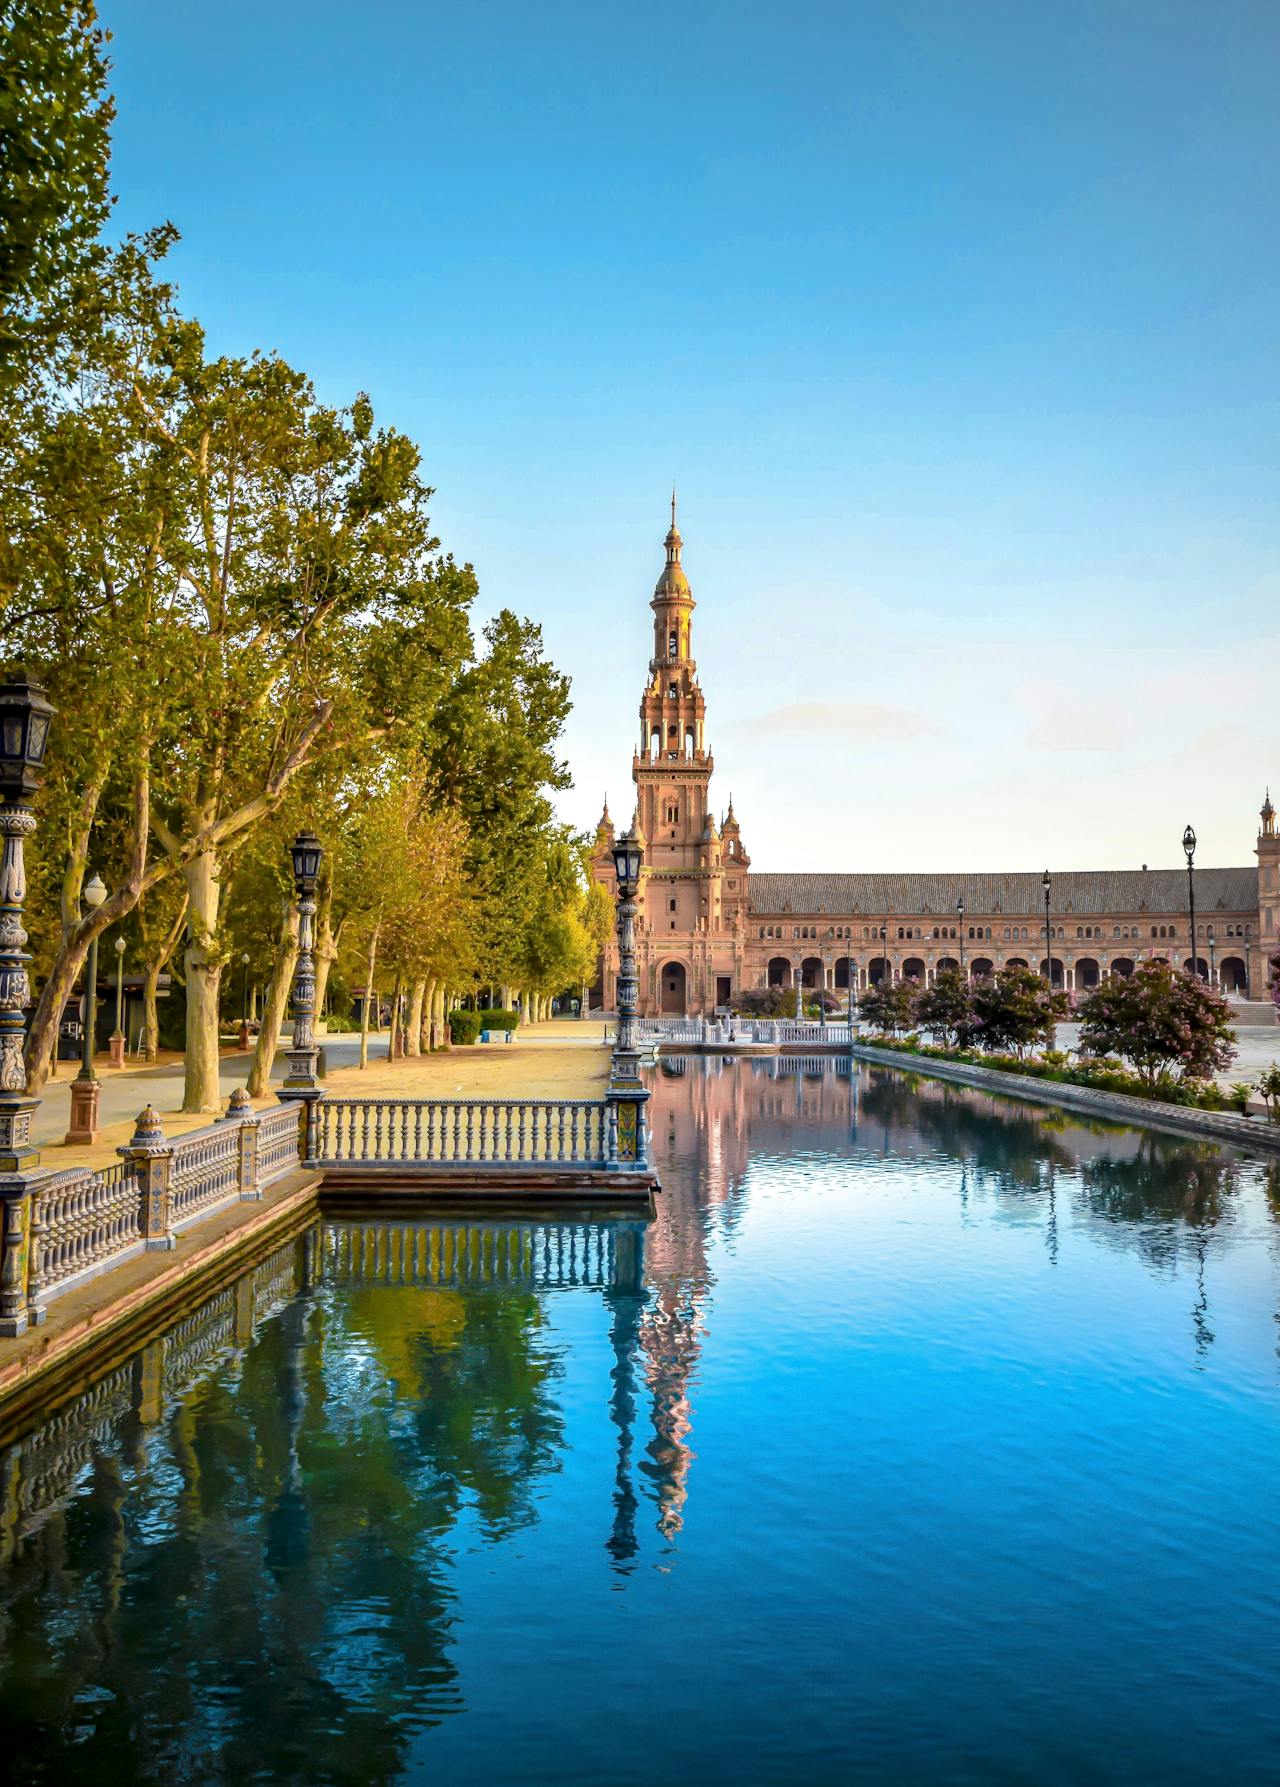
column 12, row 736
column 37, row 737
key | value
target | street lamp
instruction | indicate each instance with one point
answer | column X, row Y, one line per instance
column 117, row 1035
column 884, row 955
column 960, row 928
column 25, row 715
column 1047, row 885
column 302, row 1055
column 86, row 1088
column 1213, row 960
column 1189, row 847
column 244, row 1000
column 628, row 1140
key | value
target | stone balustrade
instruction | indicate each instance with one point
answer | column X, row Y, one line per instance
column 463, row 1132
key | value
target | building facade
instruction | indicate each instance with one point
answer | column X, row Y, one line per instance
column 708, row 928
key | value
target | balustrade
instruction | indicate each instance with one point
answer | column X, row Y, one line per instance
column 81, row 1220
column 463, row 1132
column 206, row 1172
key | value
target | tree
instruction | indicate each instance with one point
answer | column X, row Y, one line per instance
column 1269, row 1087
column 55, row 146
column 1273, row 981
column 1015, row 1008
column 889, row 1005
column 946, row 1007
column 1168, row 1023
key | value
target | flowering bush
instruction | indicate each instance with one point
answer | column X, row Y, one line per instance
column 1170, row 1025
column 1015, row 1009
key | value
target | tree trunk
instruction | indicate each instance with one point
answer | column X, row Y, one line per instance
column 413, row 1030
column 327, row 940
column 396, row 1045
column 275, row 1004
column 152, row 971
column 201, row 1090
column 369, row 996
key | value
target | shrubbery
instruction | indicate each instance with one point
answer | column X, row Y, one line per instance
column 464, row 1027
column 496, row 1019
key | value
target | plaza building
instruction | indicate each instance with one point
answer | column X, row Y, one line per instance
column 710, row 928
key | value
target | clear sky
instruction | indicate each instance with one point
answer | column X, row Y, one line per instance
column 956, row 324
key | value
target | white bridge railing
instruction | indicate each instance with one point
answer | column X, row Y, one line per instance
column 464, row 1132
column 719, row 1032
column 77, row 1222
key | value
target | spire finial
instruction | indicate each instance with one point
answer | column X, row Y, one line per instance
column 673, row 505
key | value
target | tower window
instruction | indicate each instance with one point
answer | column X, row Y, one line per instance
column 671, row 905
column 674, row 692
column 673, row 644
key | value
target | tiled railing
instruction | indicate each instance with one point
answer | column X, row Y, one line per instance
column 715, row 1031
column 74, row 1223
column 205, row 1173
column 462, row 1132
column 81, row 1220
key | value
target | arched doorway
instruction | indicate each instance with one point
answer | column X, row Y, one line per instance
column 811, row 974
column 1197, row 965
column 944, row 965
column 913, row 969
column 1122, row 965
column 779, row 972
column 1088, row 974
column 1057, row 970
column 876, row 971
column 1234, row 976
column 1015, row 962
column 673, row 988
column 982, row 965
column 842, row 973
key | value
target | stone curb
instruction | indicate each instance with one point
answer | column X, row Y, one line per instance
column 1223, row 1126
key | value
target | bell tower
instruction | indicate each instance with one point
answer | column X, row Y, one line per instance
column 672, row 768
column 1268, row 851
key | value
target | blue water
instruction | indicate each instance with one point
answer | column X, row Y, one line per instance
column 921, row 1437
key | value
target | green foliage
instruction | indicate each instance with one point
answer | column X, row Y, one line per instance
column 1168, row 1023
column 889, row 1006
column 492, row 1018
column 1015, row 1008
column 1241, row 1093
column 1269, row 1088
column 946, row 1007
column 55, row 122
column 464, row 1026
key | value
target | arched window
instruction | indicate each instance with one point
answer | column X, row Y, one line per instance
column 673, row 644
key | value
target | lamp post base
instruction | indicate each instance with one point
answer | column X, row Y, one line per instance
column 86, row 1096
column 115, row 1050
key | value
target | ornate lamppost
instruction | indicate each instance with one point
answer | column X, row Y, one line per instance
column 25, row 714
column 627, row 1094
column 86, row 1088
column 116, row 1044
column 1047, row 885
column 1189, row 848
column 960, row 929
column 244, row 1000
column 301, row 1081
column 884, row 955
column 1213, row 961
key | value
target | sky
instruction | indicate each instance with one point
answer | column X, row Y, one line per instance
column 956, row 326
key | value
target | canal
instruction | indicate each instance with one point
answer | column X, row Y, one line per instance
column 922, row 1436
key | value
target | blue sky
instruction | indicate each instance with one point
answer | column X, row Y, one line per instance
column 957, row 326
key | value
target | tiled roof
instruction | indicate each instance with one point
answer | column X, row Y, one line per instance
column 1093, row 892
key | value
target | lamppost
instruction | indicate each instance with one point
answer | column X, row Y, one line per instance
column 86, row 1088
column 301, row 1081
column 25, row 714
column 1213, row 960
column 884, row 955
column 626, row 1095
column 960, row 928
column 1189, row 847
column 117, row 1035
column 244, row 1000
column 1048, row 932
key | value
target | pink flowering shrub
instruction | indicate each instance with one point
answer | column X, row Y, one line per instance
column 1167, row 1023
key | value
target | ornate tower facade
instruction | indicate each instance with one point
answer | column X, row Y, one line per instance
column 1268, row 945
column 691, row 932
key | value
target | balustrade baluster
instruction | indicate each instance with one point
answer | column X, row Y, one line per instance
column 471, row 1112
column 520, row 1151
column 560, row 1132
column 417, row 1131
column 457, row 1133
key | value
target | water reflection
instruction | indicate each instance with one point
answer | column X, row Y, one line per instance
column 245, row 1552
